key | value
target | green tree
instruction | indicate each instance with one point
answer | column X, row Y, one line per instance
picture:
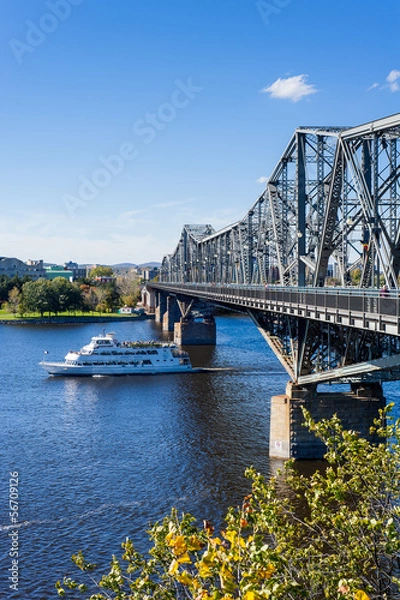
column 89, row 297
column 8, row 283
column 101, row 271
column 112, row 298
column 67, row 294
column 39, row 296
column 346, row 547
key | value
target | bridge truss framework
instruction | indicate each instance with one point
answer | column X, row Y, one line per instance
column 332, row 203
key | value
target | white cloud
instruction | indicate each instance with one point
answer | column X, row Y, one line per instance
column 373, row 87
column 293, row 88
column 262, row 179
column 392, row 80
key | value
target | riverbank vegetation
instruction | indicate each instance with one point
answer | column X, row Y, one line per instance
column 26, row 298
column 334, row 535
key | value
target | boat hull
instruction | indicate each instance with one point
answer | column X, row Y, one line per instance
column 62, row 369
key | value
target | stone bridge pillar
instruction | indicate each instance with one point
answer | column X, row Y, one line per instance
column 149, row 300
column 171, row 315
column 289, row 438
column 161, row 306
column 197, row 333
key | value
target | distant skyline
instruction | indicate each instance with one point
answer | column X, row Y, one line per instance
column 122, row 121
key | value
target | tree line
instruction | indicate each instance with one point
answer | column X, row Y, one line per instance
column 52, row 297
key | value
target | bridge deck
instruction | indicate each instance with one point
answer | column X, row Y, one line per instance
column 363, row 309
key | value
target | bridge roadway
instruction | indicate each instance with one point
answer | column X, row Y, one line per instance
column 360, row 308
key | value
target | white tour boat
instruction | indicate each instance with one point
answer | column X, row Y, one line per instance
column 106, row 356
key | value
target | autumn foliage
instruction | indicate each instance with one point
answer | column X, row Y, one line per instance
column 344, row 543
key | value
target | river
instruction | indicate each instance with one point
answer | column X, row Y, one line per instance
column 100, row 459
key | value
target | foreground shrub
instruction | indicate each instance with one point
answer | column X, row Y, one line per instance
column 346, row 546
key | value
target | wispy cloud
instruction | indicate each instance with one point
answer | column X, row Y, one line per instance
column 392, row 80
column 173, row 203
column 55, row 240
column 262, row 179
column 292, row 88
column 128, row 214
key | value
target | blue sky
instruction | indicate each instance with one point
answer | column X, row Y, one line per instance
column 123, row 120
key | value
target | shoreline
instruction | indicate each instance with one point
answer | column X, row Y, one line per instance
column 70, row 320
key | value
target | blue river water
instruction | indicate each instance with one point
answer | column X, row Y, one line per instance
column 101, row 459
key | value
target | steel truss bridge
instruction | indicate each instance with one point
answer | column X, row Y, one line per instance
column 330, row 215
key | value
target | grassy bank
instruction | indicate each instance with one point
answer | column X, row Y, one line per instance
column 65, row 317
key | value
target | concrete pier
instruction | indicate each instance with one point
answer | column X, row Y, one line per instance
column 200, row 333
column 161, row 307
column 289, row 438
column 149, row 300
column 171, row 315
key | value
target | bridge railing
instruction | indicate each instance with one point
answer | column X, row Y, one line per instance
column 347, row 299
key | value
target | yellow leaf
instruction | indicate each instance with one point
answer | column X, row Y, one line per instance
column 169, row 537
column 225, row 573
column 215, row 542
column 204, row 570
column 184, row 578
column 249, row 595
column 208, row 557
column 178, row 545
column 195, row 544
column 360, row 595
column 231, row 536
column 184, row 558
column 173, row 568
column 267, row 572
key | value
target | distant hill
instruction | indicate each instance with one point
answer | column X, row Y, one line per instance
column 150, row 264
column 132, row 265
column 128, row 265
column 125, row 265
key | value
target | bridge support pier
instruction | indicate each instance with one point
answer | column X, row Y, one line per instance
column 149, row 300
column 197, row 333
column 171, row 315
column 289, row 438
column 161, row 307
